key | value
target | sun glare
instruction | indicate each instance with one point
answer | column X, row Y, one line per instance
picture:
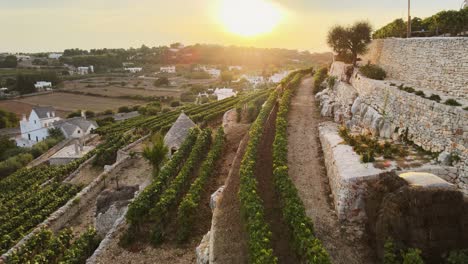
column 249, row 17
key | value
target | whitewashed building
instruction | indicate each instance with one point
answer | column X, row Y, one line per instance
column 253, row 79
column 55, row 56
column 168, row 69
column 277, row 77
column 43, row 86
column 85, row 70
column 235, row 68
column 223, row 93
column 133, row 69
column 36, row 128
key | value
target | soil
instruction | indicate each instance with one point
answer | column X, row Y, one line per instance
column 307, row 170
column 282, row 246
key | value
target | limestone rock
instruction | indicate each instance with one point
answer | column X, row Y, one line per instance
column 215, row 196
column 203, row 250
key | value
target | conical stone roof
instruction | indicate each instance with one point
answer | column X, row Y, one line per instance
column 179, row 131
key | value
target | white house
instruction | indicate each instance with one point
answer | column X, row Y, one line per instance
column 133, row 69
column 253, row 79
column 41, row 119
column 168, row 69
column 85, row 70
column 3, row 91
column 55, row 56
column 76, row 127
column 36, row 127
column 22, row 57
column 41, row 86
column 215, row 73
column 277, row 77
column 235, row 68
column 223, row 93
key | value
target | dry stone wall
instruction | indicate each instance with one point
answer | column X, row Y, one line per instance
column 438, row 63
column 388, row 112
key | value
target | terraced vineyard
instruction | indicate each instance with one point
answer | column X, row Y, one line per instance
column 31, row 195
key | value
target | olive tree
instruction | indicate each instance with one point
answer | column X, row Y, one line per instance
column 352, row 40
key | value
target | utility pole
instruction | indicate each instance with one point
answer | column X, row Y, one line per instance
column 408, row 31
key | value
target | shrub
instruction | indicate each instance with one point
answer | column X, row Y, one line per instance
column 412, row 256
column 458, row 257
column 319, row 77
column 175, row 103
column 466, row 108
column 435, row 97
column 452, row 102
column 331, row 81
column 124, row 109
column 373, row 71
column 420, row 93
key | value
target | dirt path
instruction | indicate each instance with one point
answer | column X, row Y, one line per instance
column 308, row 172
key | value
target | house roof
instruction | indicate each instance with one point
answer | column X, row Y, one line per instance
column 70, row 125
column 41, row 111
column 179, row 131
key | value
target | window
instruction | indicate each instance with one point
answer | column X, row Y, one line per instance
column 37, row 139
column 79, row 131
column 29, row 136
column 34, row 121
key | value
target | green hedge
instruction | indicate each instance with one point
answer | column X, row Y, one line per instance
column 259, row 234
column 190, row 203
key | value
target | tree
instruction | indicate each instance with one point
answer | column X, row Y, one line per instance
column 353, row 39
column 10, row 62
column 226, row 76
column 161, row 81
column 156, row 152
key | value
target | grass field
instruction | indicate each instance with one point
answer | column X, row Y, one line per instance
column 66, row 102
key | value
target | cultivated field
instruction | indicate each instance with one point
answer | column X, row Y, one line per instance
column 67, row 102
column 115, row 91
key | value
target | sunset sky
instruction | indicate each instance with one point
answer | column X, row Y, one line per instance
column 54, row 25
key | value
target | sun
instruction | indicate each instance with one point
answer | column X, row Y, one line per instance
column 249, row 17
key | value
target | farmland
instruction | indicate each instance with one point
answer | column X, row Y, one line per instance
column 66, row 102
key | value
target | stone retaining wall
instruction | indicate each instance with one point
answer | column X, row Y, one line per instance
column 348, row 177
column 439, row 63
column 389, row 112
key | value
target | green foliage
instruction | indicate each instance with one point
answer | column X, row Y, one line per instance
column 452, row 102
column 331, row 80
column 138, row 210
column 10, row 61
column 161, row 81
column 82, row 248
column 445, row 22
column 124, row 109
column 319, row 77
column 420, row 93
column 390, row 253
column 412, row 256
column 25, row 82
column 76, row 113
column 191, row 201
column 168, row 199
column 259, row 234
column 175, row 103
column 306, row 245
column 155, row 152
column 435, row 97
column 368, row 147
column 373, row 71
column 105, row 121
column 8, row 119
column 226, row 76
column 350, row 40
column 458, row 257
